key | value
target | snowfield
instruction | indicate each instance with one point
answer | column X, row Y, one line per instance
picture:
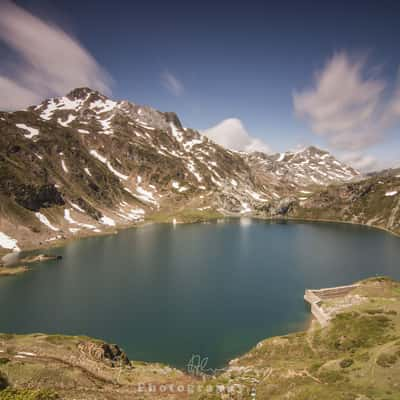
column 32, row 131
column 107, row 221
column 8, row 243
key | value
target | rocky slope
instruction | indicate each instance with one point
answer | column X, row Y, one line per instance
column 49, row 367
column 83, row 164
column 374, row 201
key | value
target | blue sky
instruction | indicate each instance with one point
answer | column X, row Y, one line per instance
column 212, row 61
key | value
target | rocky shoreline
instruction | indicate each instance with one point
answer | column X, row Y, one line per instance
column 205, row 218
column 9, row 269
column 12, row 271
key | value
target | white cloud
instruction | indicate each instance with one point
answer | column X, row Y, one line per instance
column 172, row 83
column 361, row 162
column 15, row 96
column 347, row 105
column 50, row 62
column 231, row 133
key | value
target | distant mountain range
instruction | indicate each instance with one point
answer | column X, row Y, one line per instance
column 83, row 164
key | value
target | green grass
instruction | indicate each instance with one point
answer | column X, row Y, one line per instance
column 27, row 394
column 63, row 339
column 185, row 216
column 351, row 331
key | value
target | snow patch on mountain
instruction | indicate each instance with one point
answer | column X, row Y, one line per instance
column 43, row 219
column 104, row 160
column 8, row 243
column 87, row 171
column 77, row 207
column 107, row 221
column 66, row 123
column 145, row 195
column 64, row 166
column 32, row 131
column 176, row 133
column 68, row 218
column 102, row 106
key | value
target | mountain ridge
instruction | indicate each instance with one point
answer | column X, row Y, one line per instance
column 84, row 164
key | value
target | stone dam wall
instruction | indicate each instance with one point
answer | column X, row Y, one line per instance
column 315, row 298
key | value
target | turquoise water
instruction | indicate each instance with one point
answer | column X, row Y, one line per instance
column 164, row 293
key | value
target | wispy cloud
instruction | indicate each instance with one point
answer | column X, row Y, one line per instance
column 50, row 62
column 347, row 104
column 231, row 134
column 172, row 83
column 362, row 162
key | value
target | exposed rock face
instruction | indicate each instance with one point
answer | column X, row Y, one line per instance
column 110, row 354
column 113, row 353
column 171, row 117
column 36, row 197
column 84, row 163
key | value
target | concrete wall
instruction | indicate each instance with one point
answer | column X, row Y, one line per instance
column 316, row 297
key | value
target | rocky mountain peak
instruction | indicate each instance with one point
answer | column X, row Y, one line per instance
column 309, row 166
column 83, row 93
column 314, row 150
